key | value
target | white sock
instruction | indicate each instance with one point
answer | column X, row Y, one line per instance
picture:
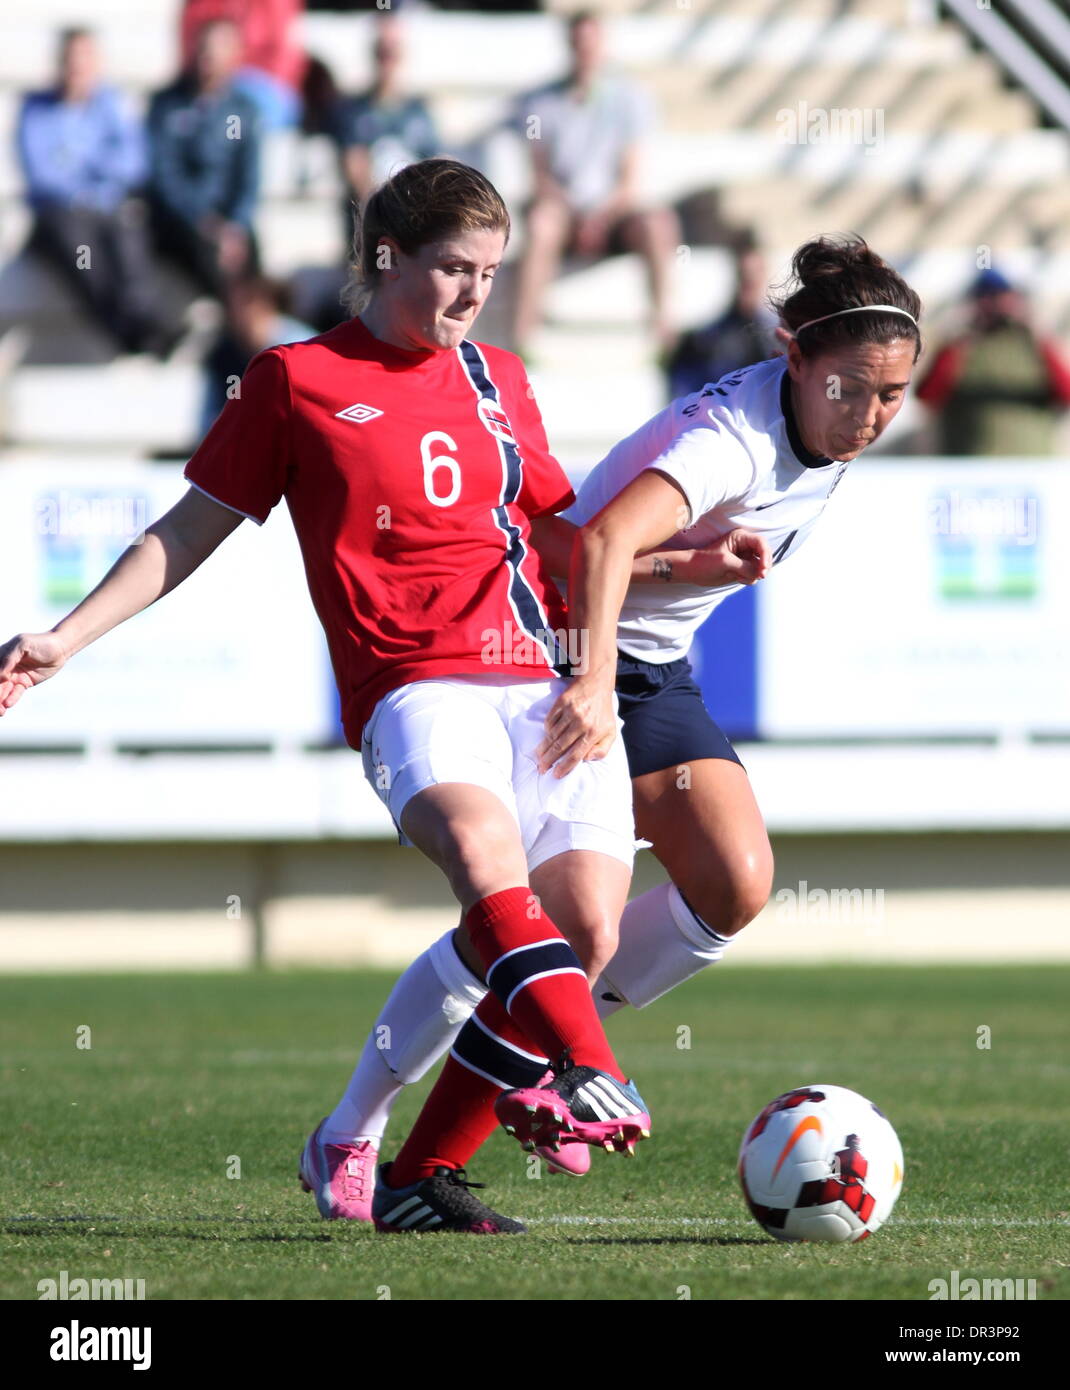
column 425, row 1012
column 663, row 942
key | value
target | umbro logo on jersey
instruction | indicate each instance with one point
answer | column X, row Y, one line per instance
column 358, row 413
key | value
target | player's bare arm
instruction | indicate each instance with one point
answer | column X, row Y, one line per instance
column 157, row 562
column 738, row 557
column 582, row 724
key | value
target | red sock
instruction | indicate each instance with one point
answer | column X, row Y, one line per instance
column 544, row 988
column 457, row 1118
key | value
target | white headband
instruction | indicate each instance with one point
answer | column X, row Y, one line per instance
column 859, row 309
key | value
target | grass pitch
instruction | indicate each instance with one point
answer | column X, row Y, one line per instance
column 117, row 1155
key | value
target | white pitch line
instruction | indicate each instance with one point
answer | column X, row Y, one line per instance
column 992, row 1221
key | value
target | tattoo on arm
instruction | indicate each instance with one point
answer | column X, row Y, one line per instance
column 662, row 569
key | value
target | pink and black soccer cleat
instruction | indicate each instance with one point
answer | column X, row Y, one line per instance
column 574, row 1160
column 580, row 1103
column 341, row 1176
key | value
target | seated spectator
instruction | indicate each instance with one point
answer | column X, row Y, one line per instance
column 272, row 64
column 83, row 158
column 205, row 156
column 745, row 334
column 1000, row 387
column 383, row 129
column 257, row 317
column 320, row 99
column 585, row 134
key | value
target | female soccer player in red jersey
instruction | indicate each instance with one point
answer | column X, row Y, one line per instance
column 412, row 462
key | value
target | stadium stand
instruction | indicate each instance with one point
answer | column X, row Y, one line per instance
column 795, row 115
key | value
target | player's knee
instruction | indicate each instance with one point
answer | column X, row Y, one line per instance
column 594, row 939
column 751, row 884
column 733, row 898
column 478, row 848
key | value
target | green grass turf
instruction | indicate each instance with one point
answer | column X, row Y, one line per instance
column 115, row 1158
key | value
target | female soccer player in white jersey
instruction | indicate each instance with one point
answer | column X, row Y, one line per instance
column 412, row 462
column 762, row 449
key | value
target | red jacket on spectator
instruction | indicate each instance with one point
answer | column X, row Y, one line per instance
column 268, row 29
column 941, row 378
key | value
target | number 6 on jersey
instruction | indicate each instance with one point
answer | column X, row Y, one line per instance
column 433, row 461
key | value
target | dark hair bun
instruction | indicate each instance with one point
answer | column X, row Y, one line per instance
column 833, row 273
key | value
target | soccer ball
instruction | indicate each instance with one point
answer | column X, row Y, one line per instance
column 820, row 1163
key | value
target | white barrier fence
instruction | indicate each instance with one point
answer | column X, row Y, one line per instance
column 929, row 605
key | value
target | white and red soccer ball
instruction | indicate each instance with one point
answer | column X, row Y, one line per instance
column 820, row 1163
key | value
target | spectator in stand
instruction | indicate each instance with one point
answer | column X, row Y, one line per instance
column 272, row 64
column 83, row 158
column 585, row 133
column 320, row 99
column 205, row 146
column 745, row 334
column 383, row 129
column 1000, row 387
column 258, row 317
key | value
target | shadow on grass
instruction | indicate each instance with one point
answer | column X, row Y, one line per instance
column 119, row 1228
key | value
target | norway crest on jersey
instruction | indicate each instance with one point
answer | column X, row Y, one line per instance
column 496, row 420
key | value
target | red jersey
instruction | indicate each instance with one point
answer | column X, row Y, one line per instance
column 410, row 478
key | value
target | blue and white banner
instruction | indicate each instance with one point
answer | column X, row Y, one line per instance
column 234, row 656
column 932, row 599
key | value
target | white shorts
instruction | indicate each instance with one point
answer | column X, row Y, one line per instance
column 484, row 730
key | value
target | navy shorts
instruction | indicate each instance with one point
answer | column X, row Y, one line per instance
column 665, row 722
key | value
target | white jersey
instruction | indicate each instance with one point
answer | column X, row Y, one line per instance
column 735, row 450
